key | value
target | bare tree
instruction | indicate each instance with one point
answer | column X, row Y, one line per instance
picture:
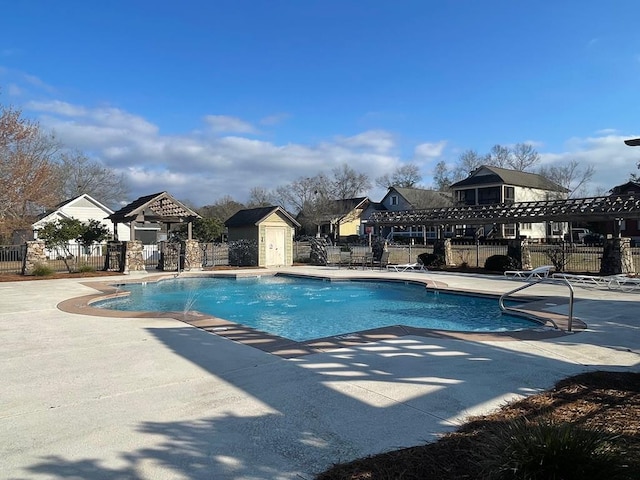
column 29, row 180
column 79, row 175
column 347, row 183
column 441, row 176
column 405, row 176
column 524, row 157
column 260, row 197
column 570, row 175
column 500, row 156
column 469, row 161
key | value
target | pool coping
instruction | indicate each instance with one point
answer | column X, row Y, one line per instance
column 287, row 348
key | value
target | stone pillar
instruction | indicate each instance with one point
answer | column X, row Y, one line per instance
column 192, row 255
column 617, row 257
column 35, row 255
column 519, row 252
column 443, row 249
column 133, row 257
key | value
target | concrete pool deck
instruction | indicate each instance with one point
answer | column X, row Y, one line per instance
column 149, row 397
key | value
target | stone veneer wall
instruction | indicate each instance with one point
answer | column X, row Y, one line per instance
column 519, row 251
column 133, row 256
column 617, row 257
column 443, row 247
column 192, row 255
column 34, row 256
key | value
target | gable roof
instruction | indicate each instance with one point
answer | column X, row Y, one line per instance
column 629, row 187
column 156, row 207
column 253, row 216
column 346, row 205
column 421, row 196
column 59, row 208
column 487, row 175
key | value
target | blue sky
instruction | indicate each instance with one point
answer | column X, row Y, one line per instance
column 211, row 98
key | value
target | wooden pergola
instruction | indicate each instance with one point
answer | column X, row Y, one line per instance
column 603, row 208
column 157, row 208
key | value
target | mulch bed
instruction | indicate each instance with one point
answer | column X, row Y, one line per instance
column 606, row 401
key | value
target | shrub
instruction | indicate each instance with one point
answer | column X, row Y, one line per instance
column 243, row 253
column 499, row 263
column 520, row 449
column 84, row 268
column 431, row 260
column 42, row 270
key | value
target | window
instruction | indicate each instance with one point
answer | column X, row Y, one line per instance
column 510, row 230
column 509, row 194
column 525, row 226
column 467, row 197
column 394, row 200
column 489, row 195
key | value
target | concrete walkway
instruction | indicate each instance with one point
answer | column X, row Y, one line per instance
column 154, row 398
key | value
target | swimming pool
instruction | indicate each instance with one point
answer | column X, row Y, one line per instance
column 304, row 309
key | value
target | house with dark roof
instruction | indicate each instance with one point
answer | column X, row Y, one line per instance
column 404, row 198
column 493, row 185
column 261, row 237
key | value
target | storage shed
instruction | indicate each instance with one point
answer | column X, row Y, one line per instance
column 270, row 230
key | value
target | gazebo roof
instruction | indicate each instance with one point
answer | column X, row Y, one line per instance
column 159, row 207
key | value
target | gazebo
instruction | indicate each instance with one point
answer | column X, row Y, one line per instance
column 159, row 208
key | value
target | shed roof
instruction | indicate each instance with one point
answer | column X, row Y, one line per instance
column 253, row 216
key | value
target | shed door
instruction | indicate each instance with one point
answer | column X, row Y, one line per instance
column 274, row 238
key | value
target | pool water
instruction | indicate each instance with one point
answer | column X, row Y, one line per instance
column 303, row 309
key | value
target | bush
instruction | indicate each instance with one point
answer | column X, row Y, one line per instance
column 539, row 450
column 499, row 263
column 42, row 270
column 431, row 260
column 84, row 268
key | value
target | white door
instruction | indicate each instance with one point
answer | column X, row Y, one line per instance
column 274, row 238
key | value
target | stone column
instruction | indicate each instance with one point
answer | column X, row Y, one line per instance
column 192, row 256
column 617, row 257
column 519, row 251
column 443, row 249
column 35, row 255
column 133, row 257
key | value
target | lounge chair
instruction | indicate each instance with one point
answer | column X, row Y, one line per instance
column 408, row 267
column 536, row 273
column 623, row 283
column 584, row 280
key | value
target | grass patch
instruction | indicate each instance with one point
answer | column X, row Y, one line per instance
column 84, row 268
column 586, row 427
column 43, row 270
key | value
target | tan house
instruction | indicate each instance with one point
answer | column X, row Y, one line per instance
column 493, row 185
column 343, row 218
column 269, row 229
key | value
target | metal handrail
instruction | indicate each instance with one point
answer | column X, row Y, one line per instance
column 541, row 280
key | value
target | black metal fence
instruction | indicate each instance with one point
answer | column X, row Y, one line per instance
column 576, row 258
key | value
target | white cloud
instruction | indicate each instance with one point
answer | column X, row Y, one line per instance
column 227, row 124
column 429, row 150
column 612, row 160
column 379, row 141
column 57, row 107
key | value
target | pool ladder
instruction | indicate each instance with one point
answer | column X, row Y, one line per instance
column 531, row 284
